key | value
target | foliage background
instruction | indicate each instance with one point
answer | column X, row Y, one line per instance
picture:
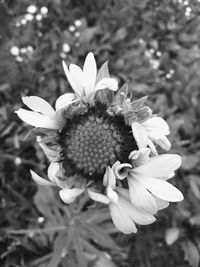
column 154, row 45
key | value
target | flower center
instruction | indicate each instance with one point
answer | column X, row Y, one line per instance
column 94, row 140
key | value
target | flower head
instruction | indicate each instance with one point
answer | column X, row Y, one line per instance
column 102, row 142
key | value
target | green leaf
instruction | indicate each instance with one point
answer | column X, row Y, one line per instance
column 100, row 236
column 82, row 262
column 139, row 103
column 191, row 253
column 61, row 244
column 103, row 72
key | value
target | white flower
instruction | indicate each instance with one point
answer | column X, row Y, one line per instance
column 123, row 213
column 149, row 190
column 84, row 82
column 152, row 130
column 42, row 114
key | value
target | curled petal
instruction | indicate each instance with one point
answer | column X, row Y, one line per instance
column 98, row 197
column 37, row 120
column 65, row 100
column 39, row 180
column 69, row 195
column 122, row 170
column 38, row 104
column 140, row 134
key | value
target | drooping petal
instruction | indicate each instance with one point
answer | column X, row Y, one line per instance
column 160, row 166
column 78, row 79
column 112, row 195
column 38, row 104
column 121, row 219
column 139, row 157
column 161, row 189
column 140, row 134
column 90, row 72
column 37, row 120
column 161, row 204
column 98, row 197
column 152, row 147
column 51, row 153
column 109, row 178
column 65, row 100
column 140, row 197
column 140, row 217
column 161, row 140
column 70, row 80
column 109, row 83
column 39, row 180
column 53, row 170
column 69, row 195
column 154, row 124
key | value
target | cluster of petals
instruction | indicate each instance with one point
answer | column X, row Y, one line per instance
column 146, row 173
column 153, row 130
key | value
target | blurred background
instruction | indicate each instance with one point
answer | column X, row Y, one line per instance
column 155, row 44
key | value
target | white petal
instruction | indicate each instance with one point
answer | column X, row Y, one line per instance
column 140, row 198
column 137, row 216
column 161, row 204
column 139, row 157
column 70, row 79
column 162, row 189
column 64, row 100
column 121, row 219
column 39, row 180
column 78, row 79
column 90, row 72
column 162, row 141
column 122, row 170
column 38, row 104
column 160, row 166
column 109, row 83
column 112, row 195
column 36, row 119
column 157, row 124
column 98, row 197
column 69, row 195
column 152, row 147
column 140, row 134
column 53, row 170
column 109, row 178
